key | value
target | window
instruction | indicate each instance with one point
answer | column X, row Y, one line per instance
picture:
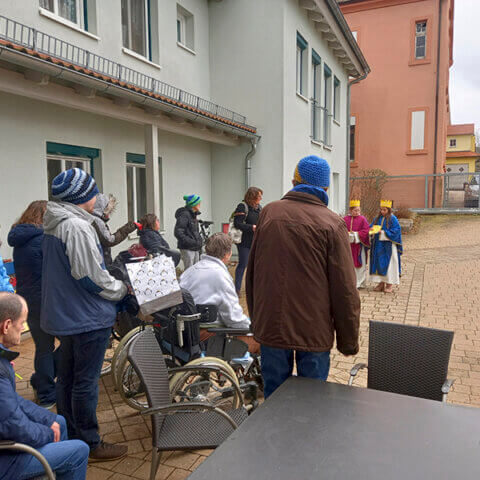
column 453, row 142
column 335, row 193
column 353, row 125
column 57, row 164
column 185, row 28
column 316, row 99
column 137, row 187
column 302, row 48
column 136, row 26
column 327, row 104
column 336, row 99
column 420, row 40
column 74, row 11
column 417, row 133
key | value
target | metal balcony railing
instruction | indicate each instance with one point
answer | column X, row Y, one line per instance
column 41, row 42
column 321, row 124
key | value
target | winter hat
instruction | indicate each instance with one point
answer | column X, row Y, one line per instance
column 74, row 186
column 313, row 170
column 192, row 200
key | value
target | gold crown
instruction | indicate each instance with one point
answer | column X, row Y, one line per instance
column 386, row 203
column 354, row 203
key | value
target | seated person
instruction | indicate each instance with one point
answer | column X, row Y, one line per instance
column 152, row 240
column 209, row 282
column 25, row 422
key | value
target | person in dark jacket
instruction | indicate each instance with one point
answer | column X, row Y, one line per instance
column 24, row 422
column 151, row 239
column 26, row 238
column 245, row 218
column 104, row 207
column 187, row 230
column 301, row 285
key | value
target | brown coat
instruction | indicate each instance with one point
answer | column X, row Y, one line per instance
column 301, row 285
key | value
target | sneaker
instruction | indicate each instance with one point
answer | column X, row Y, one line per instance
column 106, row 452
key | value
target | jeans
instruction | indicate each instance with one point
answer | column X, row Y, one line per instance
column 79, row 365
column 189, row 258
column 67, row 458
column 243, row 253
column 277, row 366
column 43, row 379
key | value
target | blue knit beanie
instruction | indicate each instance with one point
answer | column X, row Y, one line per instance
column 192, row 200
column 74, row 186
column 313, row 170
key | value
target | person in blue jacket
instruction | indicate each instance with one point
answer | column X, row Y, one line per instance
column 5, row 285
column 26, row 238
column 25, row 422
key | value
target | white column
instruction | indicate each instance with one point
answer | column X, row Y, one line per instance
column 151, row 164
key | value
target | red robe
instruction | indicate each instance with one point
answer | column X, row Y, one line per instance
column 358, row 224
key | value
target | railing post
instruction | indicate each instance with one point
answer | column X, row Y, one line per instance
column 426, row 191
column 87, row 58
column 34, row 39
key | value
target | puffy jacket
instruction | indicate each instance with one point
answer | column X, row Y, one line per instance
column 301, row 286
column 103, row 206
column 187, row 230
column 153, row 242
column 5, row 285
column 244, row 218
column 78, row 293
column 20, row 419
column 26, row 240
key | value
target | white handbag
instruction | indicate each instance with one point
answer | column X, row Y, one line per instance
column 233, row 232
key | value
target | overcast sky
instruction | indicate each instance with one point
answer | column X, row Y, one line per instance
column 465, row 72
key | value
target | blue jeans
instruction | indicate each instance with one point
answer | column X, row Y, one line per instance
column 243, row 253
column 67, row 458
column 43, row 379
column 277, row 366
column 79, row 365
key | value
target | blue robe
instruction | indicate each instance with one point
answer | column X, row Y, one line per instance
column 381, row 251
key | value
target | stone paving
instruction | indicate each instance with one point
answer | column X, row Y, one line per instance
column 440, row 288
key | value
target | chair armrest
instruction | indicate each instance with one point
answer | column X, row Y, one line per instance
column 178, row 407
column 230, row 331
column 355, row 370
column 11, row 445
column 209, row 368
column 447, row 385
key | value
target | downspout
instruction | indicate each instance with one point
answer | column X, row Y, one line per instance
column 347, row 176
column 248, row 162
column 435, row 147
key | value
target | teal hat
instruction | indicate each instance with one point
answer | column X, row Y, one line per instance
column 192, row 200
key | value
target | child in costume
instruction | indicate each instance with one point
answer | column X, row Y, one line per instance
column 386, row 248
column 358, row 229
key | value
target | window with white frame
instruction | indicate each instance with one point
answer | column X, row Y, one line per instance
column 302, row 49
column 327, row 104
column 57, row 164
column 336, row 99
column 317, row 92
column 136, row 27
column 453, row 142
column 73, row 11
column 185, row 28
column 353, row 139
column 420, row 40
column 417, row 134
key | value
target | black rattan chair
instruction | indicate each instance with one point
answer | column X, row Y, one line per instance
column 180, row 426
column 408, row 360
column 22, row 448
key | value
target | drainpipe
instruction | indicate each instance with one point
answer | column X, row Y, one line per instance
column 347, row 176
column 437, row 81
column 248, row 162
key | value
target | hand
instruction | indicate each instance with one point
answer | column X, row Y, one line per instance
column 56, row 431
column 254, row 227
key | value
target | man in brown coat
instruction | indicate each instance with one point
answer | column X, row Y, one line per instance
column 301, row 286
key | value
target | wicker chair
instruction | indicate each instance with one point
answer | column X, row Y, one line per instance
column 408, row 360
column 180, row 426
column 22, row 448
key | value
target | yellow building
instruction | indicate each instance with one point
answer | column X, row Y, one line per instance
column 461, row 155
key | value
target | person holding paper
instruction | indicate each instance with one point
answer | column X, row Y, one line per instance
column 358, row 228
column 385, row 266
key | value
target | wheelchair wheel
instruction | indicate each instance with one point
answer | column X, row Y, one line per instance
column 209, row 387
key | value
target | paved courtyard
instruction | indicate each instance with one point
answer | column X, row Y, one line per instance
column 440, row 288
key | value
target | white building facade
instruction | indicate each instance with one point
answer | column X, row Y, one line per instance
column 144, row 95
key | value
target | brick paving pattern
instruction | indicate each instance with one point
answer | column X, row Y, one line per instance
column 440, row 288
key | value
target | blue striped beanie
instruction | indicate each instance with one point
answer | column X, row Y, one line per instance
column 74, row 186
column 313, row 170
column 192, row 200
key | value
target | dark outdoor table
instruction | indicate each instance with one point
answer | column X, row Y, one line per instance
column 310, row 429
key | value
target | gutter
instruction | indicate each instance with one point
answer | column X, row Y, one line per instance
column 347, row 173
column 248, row 162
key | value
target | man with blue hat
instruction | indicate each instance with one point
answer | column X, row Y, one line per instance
column 78, row 305
column 301, row 286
